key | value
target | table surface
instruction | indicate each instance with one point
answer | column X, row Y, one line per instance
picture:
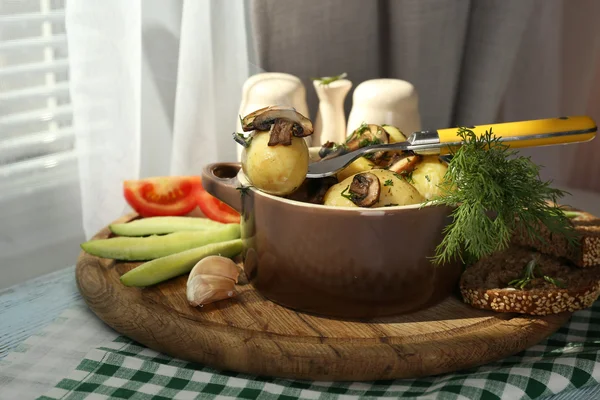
column 28, row 308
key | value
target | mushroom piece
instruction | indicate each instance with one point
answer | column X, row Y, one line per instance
column 262, row 120
column 281, row 133
column 213, row 278
column 365, row 189
column 365, row 135
column 313, row 190
column 403, row 162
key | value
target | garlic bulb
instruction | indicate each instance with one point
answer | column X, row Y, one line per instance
column 212, row 278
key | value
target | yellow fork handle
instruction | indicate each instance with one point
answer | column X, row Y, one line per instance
column 540, row 132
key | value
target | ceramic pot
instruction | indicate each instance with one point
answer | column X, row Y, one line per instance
column 268, row 89
column 330, row 124
column 385, row 101
column 340, row 262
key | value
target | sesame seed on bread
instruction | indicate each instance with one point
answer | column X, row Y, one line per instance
column 587, row 254
column 485, row 284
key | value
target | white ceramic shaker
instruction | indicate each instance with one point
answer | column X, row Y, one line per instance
column 270, row 89
column 330, row 124
column 385, row 101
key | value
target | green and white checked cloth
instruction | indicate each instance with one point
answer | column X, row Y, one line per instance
column 123, row 369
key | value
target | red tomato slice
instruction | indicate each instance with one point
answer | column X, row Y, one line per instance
column 162, row 196
column 215, row 209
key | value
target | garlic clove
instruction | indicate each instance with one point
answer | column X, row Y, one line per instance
column 218, row 266
column 204, row 289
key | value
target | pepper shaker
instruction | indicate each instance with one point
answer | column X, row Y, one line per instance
column 385, row 102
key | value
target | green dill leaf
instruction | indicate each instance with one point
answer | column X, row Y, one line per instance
column 361, row 129
column 554, row 281
column 389, row 182
column 243, row 190
column 427, row 177
column 347, row 194
column 572, row 214
column 494, row 192
column 242, row 139
column 326, row 80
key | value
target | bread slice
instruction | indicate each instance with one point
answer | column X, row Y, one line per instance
column 485, row 284
column 587, row 254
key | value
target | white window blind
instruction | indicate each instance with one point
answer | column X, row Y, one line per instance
column 39, row 195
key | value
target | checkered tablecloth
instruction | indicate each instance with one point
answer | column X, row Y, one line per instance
column 568, row 360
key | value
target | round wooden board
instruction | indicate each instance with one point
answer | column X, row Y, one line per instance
column 253, row 335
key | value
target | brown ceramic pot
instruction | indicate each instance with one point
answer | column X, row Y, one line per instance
column 341, row 262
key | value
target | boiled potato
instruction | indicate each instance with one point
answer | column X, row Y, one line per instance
column 395, row 134
column 277, row 170
column 428, row 174
column 394, row 191
column 359, row 165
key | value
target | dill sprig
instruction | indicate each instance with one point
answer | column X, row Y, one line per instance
column 529, row 275
column 494, row 192
column 326, row 80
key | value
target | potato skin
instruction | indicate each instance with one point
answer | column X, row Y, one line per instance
column 394, row 191
column 429, row 173
column 278, row 170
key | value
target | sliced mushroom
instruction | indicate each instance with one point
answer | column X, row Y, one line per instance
column 326, row 149
column 262, row 120
column 281, row 133
column 365, row 189
column 313, row 190
column 403, row 162
column 368, row 135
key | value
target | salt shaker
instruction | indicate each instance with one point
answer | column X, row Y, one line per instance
column 385, row 102
column 272, row 89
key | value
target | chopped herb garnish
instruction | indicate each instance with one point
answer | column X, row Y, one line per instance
column 326, row 80
column 529, row 275
column 405, row 176
column 361, row 129
column 572, row 214
column 388, row 183
column 427, row 177
column 347, row 194
column 243, row 190
column 242, row 139
column 554, row 281
column 368, row 142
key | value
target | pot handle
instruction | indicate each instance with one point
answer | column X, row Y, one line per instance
column 220, row 180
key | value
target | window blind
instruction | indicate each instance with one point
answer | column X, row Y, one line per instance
column 40, row 206
column 36, row 137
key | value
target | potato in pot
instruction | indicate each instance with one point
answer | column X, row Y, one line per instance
column 394, row 190
column 427, row 175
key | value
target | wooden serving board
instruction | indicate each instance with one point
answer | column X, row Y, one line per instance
column 253, row 335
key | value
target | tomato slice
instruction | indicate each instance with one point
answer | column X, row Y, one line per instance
column 162, row 196
column 215, row 209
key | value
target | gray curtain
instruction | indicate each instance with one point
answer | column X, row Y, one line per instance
column 472, row 62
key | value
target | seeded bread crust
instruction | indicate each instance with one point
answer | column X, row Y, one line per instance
column 587, row 254
column 485, row 284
